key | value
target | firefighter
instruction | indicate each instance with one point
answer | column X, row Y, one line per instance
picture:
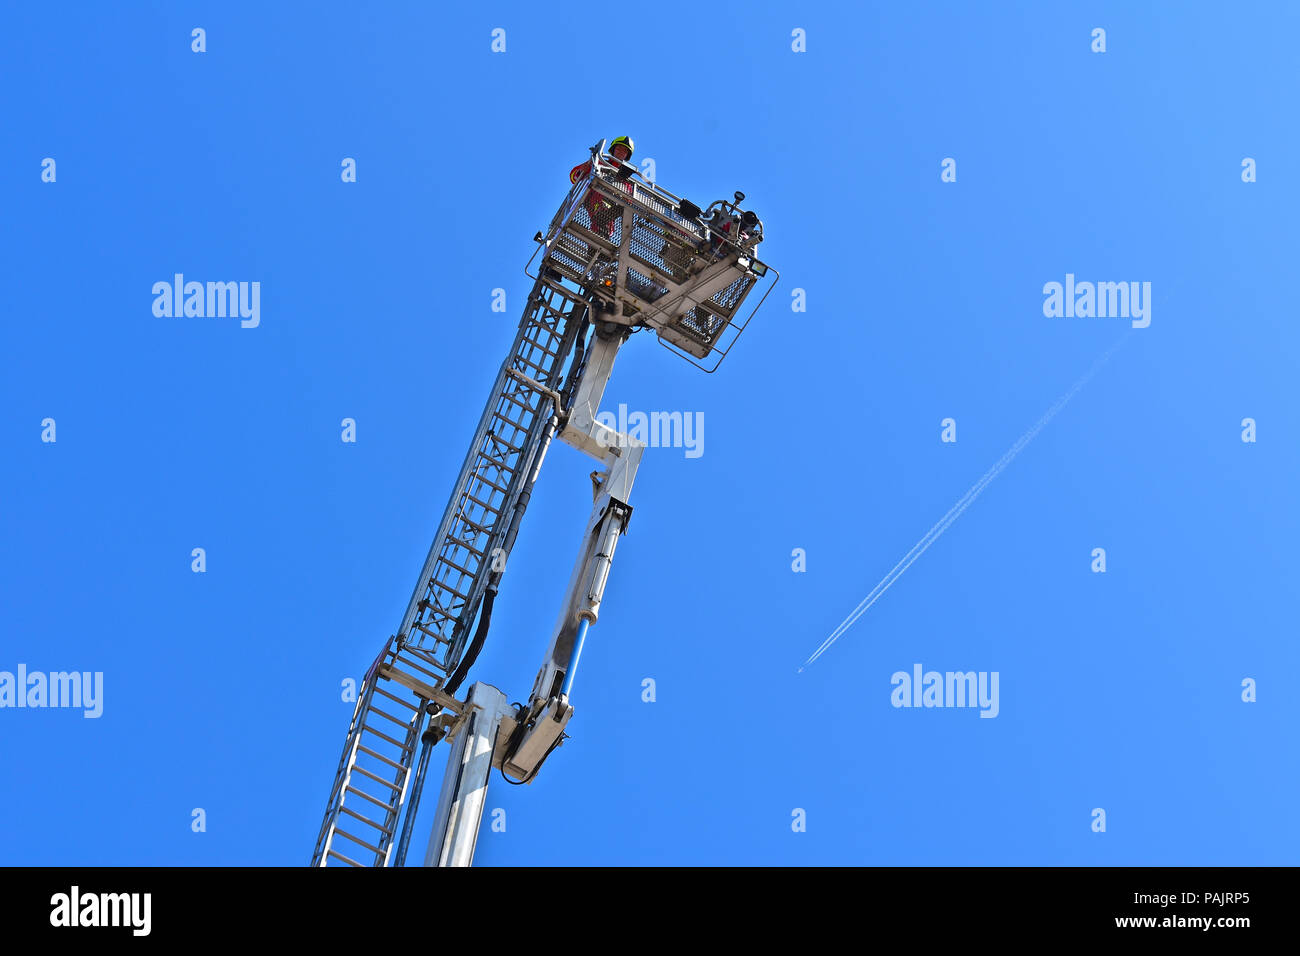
column 604, row 214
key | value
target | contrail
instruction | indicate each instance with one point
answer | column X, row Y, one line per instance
column 964, row 502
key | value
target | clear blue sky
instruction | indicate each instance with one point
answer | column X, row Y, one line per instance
column 1119, row 690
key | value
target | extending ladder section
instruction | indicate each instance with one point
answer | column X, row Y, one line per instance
column 455, row 574
column 371, row 784
column 374, row 778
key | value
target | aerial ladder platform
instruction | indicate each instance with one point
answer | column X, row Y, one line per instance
column 621, row 255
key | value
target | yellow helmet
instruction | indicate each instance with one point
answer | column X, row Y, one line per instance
column 623, row 141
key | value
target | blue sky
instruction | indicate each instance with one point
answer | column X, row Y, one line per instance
column 924, row 299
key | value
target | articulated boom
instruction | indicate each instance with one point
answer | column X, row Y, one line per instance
column 621, row 254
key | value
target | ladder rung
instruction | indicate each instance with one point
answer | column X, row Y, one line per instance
column 515, row 419
column 490, row 471
column 384, row 713
column 395, row 787
column 497, row 459
column 348, row 860
column 437, row 618
column 420, row 626
column 422, row 656
column 444, row 586
column 549, row 334
column 484, row 480
column 506, row 416
column 421, row 688
column 530, row 356
column 453, row 610
column 537, row 368
column 522, row 357
column 482, row 528
column 464, row 544
column 447, row 561
column 447, row 609
column 510, row 398
column 379, row 756
column 538, row 341
column 549, row 322
column 366, row 820
column 408, row 706
column 339, row 831
column 500, row 440
column 537, row 344
column 467, row 513
column 423, row 670
column 426, row 605
column 490, row 509
column 379, row 733
column 379, row 803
